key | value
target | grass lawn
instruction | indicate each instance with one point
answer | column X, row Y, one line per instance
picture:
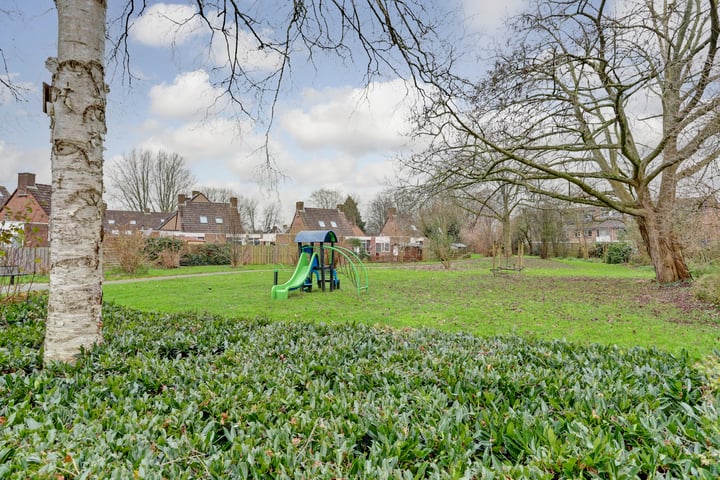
column 301, row 389
column 579, row 301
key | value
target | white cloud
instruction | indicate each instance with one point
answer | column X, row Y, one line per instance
column 191, row 96
column 487, row 17
column 164, row 25
column 15, row 161
column 246, row 52
column 355, row 121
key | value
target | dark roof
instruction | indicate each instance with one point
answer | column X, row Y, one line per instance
column 129, row 220
column 190, row 214
column 4, row 195
column 42, row 194
column 324, row 218
column 316, row 236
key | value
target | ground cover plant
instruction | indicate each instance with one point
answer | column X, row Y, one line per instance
column 206, row 396
column 584, row 302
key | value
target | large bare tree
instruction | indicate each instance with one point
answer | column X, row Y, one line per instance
column 150, row 181
column 611, row 104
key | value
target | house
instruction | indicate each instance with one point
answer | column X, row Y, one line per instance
column 29, row 205
column 584, row 227
column 116, row 222
column 400, row 238
column 323, row 219
column 198, row 220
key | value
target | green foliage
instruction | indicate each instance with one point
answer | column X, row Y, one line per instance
column 207, row 254
column 198, row 396
column 615, row 252
column 154, row 246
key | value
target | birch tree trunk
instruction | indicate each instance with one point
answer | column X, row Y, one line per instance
column 77, row 111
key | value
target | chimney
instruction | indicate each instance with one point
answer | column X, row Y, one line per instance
column 195, row 193
column 233, row 202
column 391, row 212
column 25, row 180
column 299, row 206
column 181, row 199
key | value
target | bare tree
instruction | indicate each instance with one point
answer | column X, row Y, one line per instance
column 170, row 178
column 270, row 216
column 147, row 181
column 402, row 201
column 219, row 194
column 131, row 180
column 249, row 213
column 325, row 198
column 441, row 221
column 615, row 100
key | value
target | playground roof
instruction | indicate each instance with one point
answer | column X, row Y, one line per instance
column 316, row 236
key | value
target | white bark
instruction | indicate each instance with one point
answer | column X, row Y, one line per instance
column 77, row 111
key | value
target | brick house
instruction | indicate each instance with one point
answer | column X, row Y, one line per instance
column 400, row 238
column 198, row 220
column 323, row 219
column 29, row 205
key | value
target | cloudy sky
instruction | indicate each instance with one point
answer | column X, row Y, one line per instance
column 329, row 131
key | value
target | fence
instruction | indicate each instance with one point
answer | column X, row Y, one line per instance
column 28, row 259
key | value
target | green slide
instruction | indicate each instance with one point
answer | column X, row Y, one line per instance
column 302, row 271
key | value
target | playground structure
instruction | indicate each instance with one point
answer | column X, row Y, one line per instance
column 319, row 257
column 498, row 269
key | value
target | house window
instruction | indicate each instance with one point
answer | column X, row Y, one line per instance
column 321, row 223
column 588, row 233
column 382, row 247
column 333, row 224
column 203, row 219
column 111, row 222
column 218, row 220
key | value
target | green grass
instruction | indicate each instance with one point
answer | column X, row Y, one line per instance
column 582, row 302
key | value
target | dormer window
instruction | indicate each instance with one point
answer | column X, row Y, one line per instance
column 203, row 219
column 333, row 224
column 133, row 222
column 321, row 223
column 111, row 222
column 218, row 220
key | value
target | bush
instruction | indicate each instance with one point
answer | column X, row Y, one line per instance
column 188, row 396
column 127, row 250
column 707, row 288
column 207, row 254
column 164, row 251
column 614, row 253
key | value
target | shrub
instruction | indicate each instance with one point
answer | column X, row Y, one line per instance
column 614, row 253
column 164, row 251
column 707, row 288
column 188, row 396
column 127, row 250
column 207, row 254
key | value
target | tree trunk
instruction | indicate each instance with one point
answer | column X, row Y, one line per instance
column 664, row 249
column 77, row 112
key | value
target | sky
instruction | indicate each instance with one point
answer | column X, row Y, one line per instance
column 329, row 131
